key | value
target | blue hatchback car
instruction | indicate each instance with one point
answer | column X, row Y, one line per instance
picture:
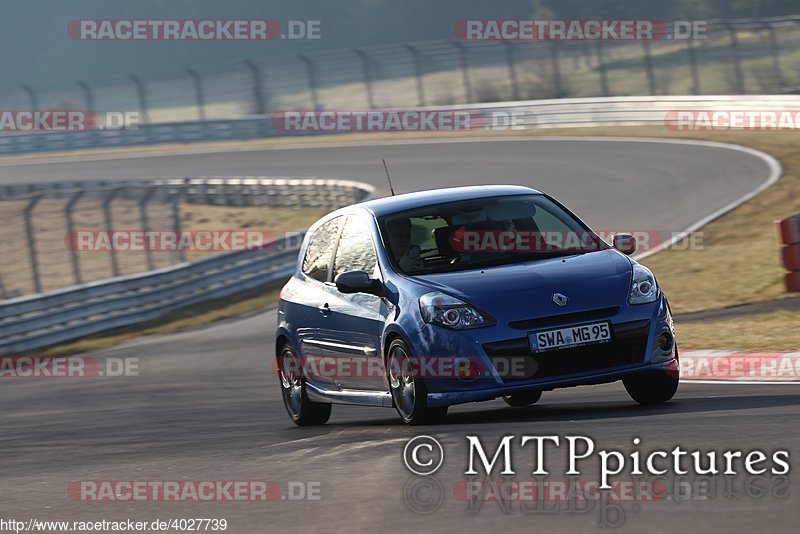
column 426, row 300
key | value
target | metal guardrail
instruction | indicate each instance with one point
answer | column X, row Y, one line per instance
column 562, row 112
column 45, row 319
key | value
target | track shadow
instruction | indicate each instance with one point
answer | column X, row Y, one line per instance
column 588, row 411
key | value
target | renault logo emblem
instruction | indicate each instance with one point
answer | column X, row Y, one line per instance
column 560, row 300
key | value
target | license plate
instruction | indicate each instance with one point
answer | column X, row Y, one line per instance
column 572, row 336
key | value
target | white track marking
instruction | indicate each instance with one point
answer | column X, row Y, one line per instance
column 741, row 382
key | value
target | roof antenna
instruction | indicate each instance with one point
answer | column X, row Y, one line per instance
column 387, row 176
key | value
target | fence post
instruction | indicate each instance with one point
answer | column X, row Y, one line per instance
column 462, row 56
column 601, row 68
column 258, row 96
column 145, row 222
column 32, row 97
column 312, row 81
column 141, row 94
column 648, row 65
column 773, row 49
column 554, row 60
column 29, row 234
column 737, row 64
column 110, row 227
column 176, row 219
column 73, row 254
column 367, row 76
column 693, row 67
column 88, row 97
column 512, row 69
column 198, row 91
column 417, row 73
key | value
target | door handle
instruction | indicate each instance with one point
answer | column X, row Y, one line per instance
column 324, row 309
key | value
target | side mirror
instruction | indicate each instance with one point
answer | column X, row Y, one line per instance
column 358, row 282
column 625, row 243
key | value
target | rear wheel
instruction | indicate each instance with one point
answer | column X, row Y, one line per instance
column 524, row 398
column 409, row 393
column 302, row 410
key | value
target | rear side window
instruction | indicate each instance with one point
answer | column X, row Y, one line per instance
column 355, row 251
column 317, row 261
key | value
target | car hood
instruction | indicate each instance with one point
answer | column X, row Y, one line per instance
column 525, row 290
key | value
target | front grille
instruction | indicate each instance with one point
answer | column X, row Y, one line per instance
column 564, row 318
column 514, row 360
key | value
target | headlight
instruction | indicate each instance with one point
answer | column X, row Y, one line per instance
column 443, row 310
column 643, row 286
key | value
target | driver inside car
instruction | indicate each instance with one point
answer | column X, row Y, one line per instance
column 406, row 254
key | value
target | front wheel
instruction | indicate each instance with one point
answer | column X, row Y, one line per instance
column 652, row 387
column 409, row 393
column 525, row 398
column 302, row 410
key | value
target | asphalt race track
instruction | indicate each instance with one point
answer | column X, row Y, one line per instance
column 206, row 405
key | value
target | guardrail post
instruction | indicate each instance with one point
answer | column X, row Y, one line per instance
column 417, row 73
column 32, row 97
column 693, row 67
column 30, row 236
column 312, row 81
column 198, row 91
column 258, row 96
column 773, row 49
column 145, row 222
column 141, row 94
column 789, row 233
column 73, row 254
column 110, row 228
column 512, row 69
column 554, row 61
column 367, row 76
column 177, row 196
column 648, row 65
column 601, row 68
column 737, row 62
column 462, row 57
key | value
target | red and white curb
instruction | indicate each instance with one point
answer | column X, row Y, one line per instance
column 712, row 366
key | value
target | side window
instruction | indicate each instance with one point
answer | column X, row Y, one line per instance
column 319, row 250
column 355, row 251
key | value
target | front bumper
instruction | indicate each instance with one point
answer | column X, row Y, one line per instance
column 445, row 398
column 634, row 349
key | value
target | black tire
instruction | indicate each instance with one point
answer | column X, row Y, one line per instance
column 302, row 410
column 652, row 387
column 411, row 404
column 524, row 398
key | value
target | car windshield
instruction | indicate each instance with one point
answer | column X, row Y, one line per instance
column 483, row 232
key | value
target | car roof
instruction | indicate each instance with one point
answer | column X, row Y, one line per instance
column 388, row 205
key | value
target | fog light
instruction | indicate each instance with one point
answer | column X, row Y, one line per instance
column 665, row 341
